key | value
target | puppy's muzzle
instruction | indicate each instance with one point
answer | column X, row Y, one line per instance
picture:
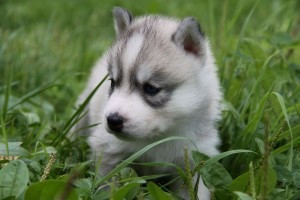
column 115, row 122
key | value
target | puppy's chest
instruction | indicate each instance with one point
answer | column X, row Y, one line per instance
column 145, row 167
column 160, row 160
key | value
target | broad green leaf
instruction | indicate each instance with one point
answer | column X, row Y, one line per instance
column 259, row 182
column 279, row 194
column 15, row 149
column 296, row 196
column 223, row 194
column 243, row 196
column 35, row 166
column 31, row 118
column 121, row 193
column 157, row 193
column 49, row 190
column 199, row 157
column 260, row 145
column 296, row 178
column 83, row 187
column 127, row 173
column 283, row 39
column 101, row 194
column 284, row 175
column 213, row 173
column 215, row 176
column 13, row 179
column 240, row 183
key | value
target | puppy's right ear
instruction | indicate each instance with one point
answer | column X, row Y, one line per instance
column 122, row 19
column 190, row 37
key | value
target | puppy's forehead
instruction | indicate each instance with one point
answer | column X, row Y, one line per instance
column 124, row 54
column 131, row 51
column 144, row 50
column 144, row 34
column 160, row 59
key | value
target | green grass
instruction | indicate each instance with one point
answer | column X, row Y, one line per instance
column 47, row 49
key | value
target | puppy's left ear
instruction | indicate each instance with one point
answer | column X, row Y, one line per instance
column 190, row 37
column 122, row 19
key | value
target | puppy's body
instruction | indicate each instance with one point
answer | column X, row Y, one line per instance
column 163, row 83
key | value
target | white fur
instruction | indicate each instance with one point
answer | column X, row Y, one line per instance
column 192, row 110
column 132, row 49
column 138, row 115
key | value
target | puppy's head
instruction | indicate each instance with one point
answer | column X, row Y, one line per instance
column 154, row 69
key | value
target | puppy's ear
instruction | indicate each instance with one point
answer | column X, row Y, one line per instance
column 122, row 19
column 190, row 37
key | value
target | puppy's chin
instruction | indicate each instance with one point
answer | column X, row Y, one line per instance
column 121, row 135
column 130, row 137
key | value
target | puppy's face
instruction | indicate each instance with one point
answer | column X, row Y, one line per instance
column 154, row 85
column 154, row 72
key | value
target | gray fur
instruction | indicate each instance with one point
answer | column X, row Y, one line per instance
column 115, row 62
column 189, row 36
column 122, row 19
column 173, row 55
column 154, row 41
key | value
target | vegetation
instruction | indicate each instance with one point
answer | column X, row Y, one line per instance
column 47, row 49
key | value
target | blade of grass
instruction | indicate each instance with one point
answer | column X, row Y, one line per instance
column 245, row 24
column 258, row 80
column 220, row 156
column 4, row 135
column 284, row 111
column 33, row 93
column 135, row 156
column 286, row 147
column 7, row 93
column 72, row 121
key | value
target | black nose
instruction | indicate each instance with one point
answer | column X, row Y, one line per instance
column 115, row 122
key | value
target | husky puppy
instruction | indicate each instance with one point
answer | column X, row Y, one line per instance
column 162, row 82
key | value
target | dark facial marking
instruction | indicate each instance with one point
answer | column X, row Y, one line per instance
column 112, row 86
column 159, row 100
column 156, row 91
column 115, row 62
column 163, row 95
column 117, row 82
column 150, row 90
column 115, row 59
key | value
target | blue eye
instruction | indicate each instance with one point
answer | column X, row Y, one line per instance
column 150, row 89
